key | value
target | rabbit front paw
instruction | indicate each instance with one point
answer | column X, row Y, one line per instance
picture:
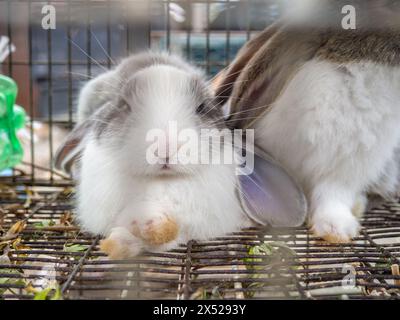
column 120, row 244
column 157, row 230
column 335, row 224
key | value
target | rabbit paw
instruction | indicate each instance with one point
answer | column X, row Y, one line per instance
column 121, row 244
column 359, row 207
column 157, row 230
column 335, row 224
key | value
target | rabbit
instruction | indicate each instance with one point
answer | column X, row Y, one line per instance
column 324, row 102
column 138, row 206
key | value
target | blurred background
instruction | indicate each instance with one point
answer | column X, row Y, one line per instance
column 90, row 36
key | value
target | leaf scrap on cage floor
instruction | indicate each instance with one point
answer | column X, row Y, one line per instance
column 51, row 292
column 68, row 191
column 67, row 219
column 270, row 253
column 11, row 281
column 14, row 230
column 65, row 224
column 75, row 247
column 44, row 223
column 9, row 276
column 30, row 195
column 14, row 208
column 4, row 250
column 2, row 216
column 210, row 292
column 17, row 244
column 7, row 192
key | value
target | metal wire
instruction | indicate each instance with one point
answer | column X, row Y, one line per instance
column 226, row 267
column 55, row 75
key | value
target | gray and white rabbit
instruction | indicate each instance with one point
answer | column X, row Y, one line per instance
column 142, row 206
column 325, row 102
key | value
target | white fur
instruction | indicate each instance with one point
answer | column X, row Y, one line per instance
column 336, row 129
column 204, row 205
column 117, row 185
column 96, row 92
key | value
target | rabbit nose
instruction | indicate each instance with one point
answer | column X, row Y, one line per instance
column 166, row 153
column 163, row 159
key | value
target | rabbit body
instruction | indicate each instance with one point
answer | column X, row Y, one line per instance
column 325, row 103
column 136, row 205
column 336, row 129
column 203, row 206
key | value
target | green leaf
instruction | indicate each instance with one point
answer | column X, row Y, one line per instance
column 75, row 247
column 269, row 252
column 264, row 250
column 44, row 224
column 8, row 271
column 10, row 281
column 42, row 295
column 57, row 294
column 52, row 292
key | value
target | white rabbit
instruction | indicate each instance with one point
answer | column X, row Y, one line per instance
column 138, row 205
column 325, row 102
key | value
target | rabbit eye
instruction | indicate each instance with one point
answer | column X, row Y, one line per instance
column 124, row 105
column 201, row 108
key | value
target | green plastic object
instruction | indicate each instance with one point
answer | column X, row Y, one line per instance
column 12, row 118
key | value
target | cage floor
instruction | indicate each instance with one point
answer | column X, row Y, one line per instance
column 44, row 255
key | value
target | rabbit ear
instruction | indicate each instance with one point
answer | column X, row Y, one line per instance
column 93, row 97
column 72, row 147
column 270, row 196
column 264, row 74
column 227, row 77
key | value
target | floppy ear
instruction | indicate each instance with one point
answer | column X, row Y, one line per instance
column 270, row 70
column 225, row 80
column 263, row 69
column 269, row 195
column 72, row 147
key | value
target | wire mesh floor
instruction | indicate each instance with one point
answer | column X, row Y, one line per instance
column 43, row 255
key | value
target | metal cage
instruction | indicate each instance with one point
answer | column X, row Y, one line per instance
column 43, row 254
